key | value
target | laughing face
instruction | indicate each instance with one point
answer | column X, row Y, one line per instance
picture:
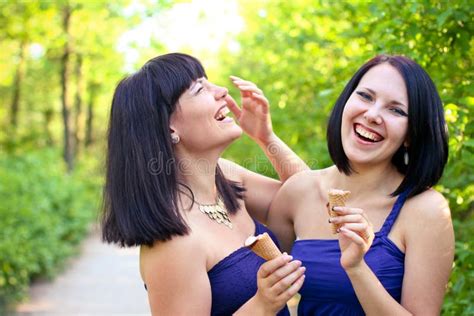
column 375, row 117
column 201, row 119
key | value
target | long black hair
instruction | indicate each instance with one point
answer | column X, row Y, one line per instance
column 427, row 135
column 141, row 190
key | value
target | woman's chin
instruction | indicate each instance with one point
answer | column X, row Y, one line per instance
column 234, row 136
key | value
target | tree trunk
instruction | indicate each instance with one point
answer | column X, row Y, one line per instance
column 48, row 119
column 20, row 72
column 93, row 88
column 68, row 139
column 78, row 121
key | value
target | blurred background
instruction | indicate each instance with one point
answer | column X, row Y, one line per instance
column 60, row 61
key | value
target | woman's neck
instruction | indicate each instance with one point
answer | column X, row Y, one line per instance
column 367, row 180
column 199, row 174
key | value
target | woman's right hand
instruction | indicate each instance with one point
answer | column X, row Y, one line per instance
column 254, row 115
column 278, row 280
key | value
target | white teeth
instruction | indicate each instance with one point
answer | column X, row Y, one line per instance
column 222, row 113
column 362, row 131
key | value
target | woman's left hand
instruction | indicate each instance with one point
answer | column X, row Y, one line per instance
column 254, row 115
column 355, row 235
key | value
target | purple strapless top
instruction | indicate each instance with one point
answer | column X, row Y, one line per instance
column 234, row 278
column 327, row 289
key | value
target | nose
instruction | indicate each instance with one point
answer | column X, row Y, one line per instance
column 220, row 92
column 372, row 115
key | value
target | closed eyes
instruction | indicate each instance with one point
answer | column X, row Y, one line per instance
column 364, row 95
column 399, row 111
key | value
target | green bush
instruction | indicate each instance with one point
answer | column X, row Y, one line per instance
column 44, row 213
column 460, row 295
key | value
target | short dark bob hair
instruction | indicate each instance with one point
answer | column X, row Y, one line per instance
column 427, row 135
column 140, row 204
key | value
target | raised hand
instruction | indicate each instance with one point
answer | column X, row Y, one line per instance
column 278, row 280
column 355, row 235
column 254, row 115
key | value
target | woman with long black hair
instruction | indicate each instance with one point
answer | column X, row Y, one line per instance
column 168, row 191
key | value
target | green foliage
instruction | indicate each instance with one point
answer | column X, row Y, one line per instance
column 301, row 53
column 460, row 296
column 43, row 216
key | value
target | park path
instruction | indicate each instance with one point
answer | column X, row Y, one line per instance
column 104, row 280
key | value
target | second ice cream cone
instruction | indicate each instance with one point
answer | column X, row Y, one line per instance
column 263, row 246
column 336, row 198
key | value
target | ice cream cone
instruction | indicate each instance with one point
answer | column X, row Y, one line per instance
column 336, row 198
column 263, row 246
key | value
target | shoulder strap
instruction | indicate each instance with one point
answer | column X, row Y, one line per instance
column 392, row 217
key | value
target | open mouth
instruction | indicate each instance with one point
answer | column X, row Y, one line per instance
column 221, row 114
column 366, row 134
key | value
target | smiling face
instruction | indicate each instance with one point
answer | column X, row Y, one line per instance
column 200, row 118
column 375, row 117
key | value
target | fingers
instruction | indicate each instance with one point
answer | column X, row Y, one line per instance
column 270, row 266
column 344, row 210
column 232, row 106
column 285, row 283
column 353, row 219
column 357, row 227
column 356, row 218
column 263, row 101
column 356, row 238
column 283, row 280
column 245, row 85
column 284, row 271
column 293, row 289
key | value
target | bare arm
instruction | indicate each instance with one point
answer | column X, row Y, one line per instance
column 289, row 201
column 428, row 261
column 176, row 278
column 284, row 160
column 254, row 118
column 429, row 257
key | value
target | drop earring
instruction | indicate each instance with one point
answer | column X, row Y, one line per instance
column 175, row 139
column 406, row 159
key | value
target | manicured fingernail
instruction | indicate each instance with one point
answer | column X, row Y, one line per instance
column 329, row 220
column 338, row 230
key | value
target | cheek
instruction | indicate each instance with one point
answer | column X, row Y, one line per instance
column 348, row 114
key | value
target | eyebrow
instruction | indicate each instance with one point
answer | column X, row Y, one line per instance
column 392, row 102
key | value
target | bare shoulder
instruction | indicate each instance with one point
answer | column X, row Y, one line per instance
column 168, row 268
column 305, row 182
column 427, row 214
column 429, row 205
column 232, row 170
column 299, row 189
column 172, row 256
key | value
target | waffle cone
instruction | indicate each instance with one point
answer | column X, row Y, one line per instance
column 263, row 246
column 336, row 198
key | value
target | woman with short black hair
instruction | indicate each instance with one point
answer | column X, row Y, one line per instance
column 395, row 245
column 168, row 191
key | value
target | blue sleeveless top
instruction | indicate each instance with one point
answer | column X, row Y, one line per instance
column 234, row 278
column 327, row 289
